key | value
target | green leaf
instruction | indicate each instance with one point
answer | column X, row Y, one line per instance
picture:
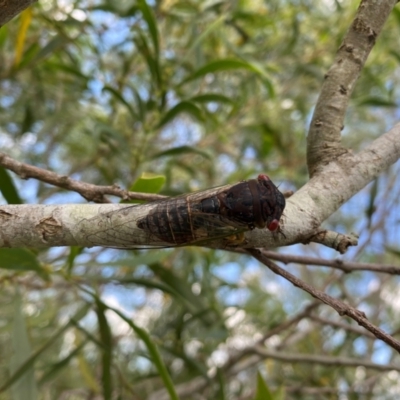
column 56, row 368
column 180, row 287
column 106, row 349
column 20, row 260
column 148, row 183
column 121, row 99
column 176, row 151
column 154, row 354
column 148, row 16
column 143, row 258
column 209, row 29
column 371, row 202
column 221, row 386
column 396, row 13
column 69, row 69
column 28, row 120
column 53, row 45
column 230, row 64
column 25, row 387
column 29, row 55
column 7, row 188
column 74, row 251
column 182, row 107
column 29, row 362
column 3, row 35
column 211, row 97
column 151, row 60
column 393, row 251
column 280, row 394
column 262, row 392
column 376, row 102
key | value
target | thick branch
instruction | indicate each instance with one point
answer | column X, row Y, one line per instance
column 323, row 141
column 319, row 198
column 10, row 8
column 38, row 225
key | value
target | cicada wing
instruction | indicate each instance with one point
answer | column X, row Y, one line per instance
column 127, row 235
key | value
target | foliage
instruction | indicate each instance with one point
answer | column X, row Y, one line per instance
column 202, row 93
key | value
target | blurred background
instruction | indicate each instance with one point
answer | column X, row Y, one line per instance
column 194, row 94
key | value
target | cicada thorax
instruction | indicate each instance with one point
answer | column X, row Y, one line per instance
column 237, row 204
column 256, row 202
column 216, row 213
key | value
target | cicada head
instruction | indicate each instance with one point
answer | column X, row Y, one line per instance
column 272, row 204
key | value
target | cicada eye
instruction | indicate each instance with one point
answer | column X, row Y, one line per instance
column 273, row 225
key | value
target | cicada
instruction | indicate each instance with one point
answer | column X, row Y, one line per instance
column 196, row 218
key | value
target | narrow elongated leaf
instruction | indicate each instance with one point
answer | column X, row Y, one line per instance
column 371, row 202
column 88, row 375
column 151, row 60
column 26, row 18
column 179, row 286
column 73, row 253
column 31, row 360
column 230, row 64
column 176, row 151
column 7, row 188
column 262, row 392
column 210, row 28
column 106, row 340
column 211, row 97
column 151, row 24
column 20, row 260
column 154, row 354
column 53, row 45
column 25, row 387
column 57, row 368
column 117, row 95
column 185, row 106
column 28, row 56
column 3, row 35
column 148, row 257
column 69, row 69
column 377, row 102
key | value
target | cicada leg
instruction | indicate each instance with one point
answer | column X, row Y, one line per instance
column 235, row 239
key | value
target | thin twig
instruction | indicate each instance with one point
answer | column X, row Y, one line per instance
column 89, row 191
column 345, row 266
column 237, row 356
column 340, row 325
column 323, row 360
column 338, row 305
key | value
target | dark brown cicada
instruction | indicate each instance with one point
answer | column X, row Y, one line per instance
column 200, row 217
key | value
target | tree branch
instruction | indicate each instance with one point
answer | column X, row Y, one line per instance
column 344, row 326
column 339, row 306
column 87, row 190
column 322, row 195
column 323, row 141
column 345, row 266
column 323, row 360
column 79, row 224
column 11, row 8
column 235, row 363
